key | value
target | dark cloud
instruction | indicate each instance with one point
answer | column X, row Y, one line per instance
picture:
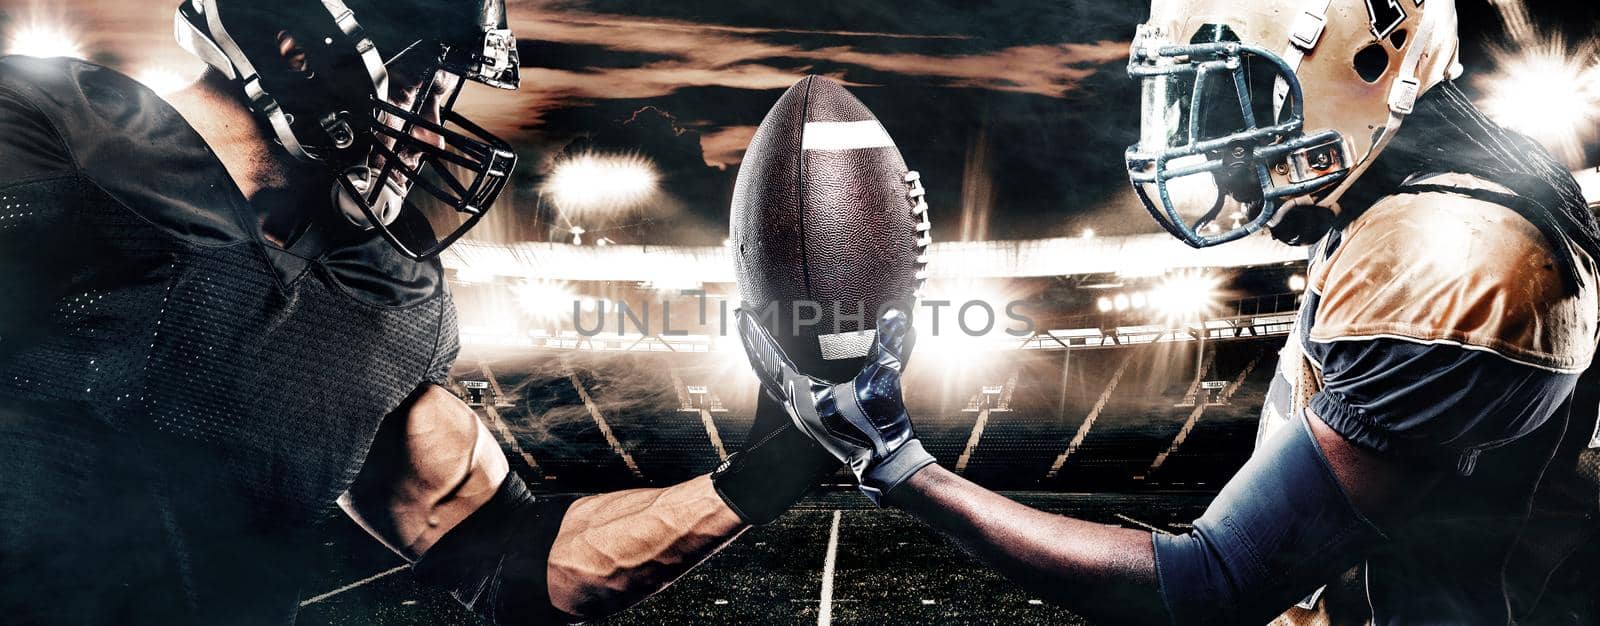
column 580, row 57
column 941, row 27
column 949, row 83
column 1016, row 112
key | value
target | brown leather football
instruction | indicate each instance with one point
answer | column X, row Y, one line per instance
column 828, row 227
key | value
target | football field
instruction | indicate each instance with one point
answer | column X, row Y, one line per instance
column 831, row 560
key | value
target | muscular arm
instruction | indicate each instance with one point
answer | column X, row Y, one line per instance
column 1109, row 574
column 1102, row 572
column 433, row 464
column 616, row 549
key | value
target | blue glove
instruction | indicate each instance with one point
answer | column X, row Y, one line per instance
column 863, row 421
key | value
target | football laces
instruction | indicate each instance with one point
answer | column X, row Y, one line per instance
column 917, row 195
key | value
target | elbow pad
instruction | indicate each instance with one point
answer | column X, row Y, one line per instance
column 1281, row 528
column 494, row 561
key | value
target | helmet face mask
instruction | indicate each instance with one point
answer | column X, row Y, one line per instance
column 422, row 142
column 380, row 122
column 1253, row 109
column 1211, row 148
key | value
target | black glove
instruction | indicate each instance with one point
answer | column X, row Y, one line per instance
column 863, row 421
column 778, row 465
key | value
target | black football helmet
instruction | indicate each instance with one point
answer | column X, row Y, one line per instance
column 339, row 113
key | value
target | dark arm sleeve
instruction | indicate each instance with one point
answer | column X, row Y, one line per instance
column 1283, row 525
column 494, row 561
column 1279, row 529
column 1440, row 403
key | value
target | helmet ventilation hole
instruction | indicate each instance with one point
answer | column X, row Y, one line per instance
column 1398, row 39
column 1371, row 62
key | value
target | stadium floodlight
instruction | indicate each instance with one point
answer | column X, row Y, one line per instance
column 1120, row 302
column 475, row 275
column 1104, row 304
column 545, row 301
column 1185, row 295
column 1138, row 300
column 1297, row 282
column 671, row 283
column 1088, row 233
column 44, row 40
column 597, row 184
column 1548, row 93
column 163, row 80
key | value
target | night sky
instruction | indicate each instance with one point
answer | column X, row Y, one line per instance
column 1016, row 112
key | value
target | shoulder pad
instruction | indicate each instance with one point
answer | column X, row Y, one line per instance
column 133, row 145
column 1444, row 268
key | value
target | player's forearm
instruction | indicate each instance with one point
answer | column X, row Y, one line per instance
column 616, row 549
column 1103, row 572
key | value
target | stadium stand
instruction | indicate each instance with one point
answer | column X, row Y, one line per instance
column 1138, row 422
column 1222, row 441
column 606, row 420
column 550, row 420
column 1043, row 413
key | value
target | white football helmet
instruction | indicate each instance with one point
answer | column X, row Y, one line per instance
column 1254, row 106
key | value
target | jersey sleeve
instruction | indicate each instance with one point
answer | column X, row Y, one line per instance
column 1442, row 329
column 30, row 147
column 1444, row 404
column 1279, row 529
column 37, row 185
column 447, row 346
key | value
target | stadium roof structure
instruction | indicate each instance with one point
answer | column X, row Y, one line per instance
column 1133, row 255
column 1219, row 328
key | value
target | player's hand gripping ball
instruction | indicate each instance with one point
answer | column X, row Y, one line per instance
column 862, row 421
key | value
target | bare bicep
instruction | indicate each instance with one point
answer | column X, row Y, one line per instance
column 431, row 465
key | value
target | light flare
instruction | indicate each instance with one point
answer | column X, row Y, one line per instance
column 1185, row 295
column 962, row 326
column 164, row 80
column 591, row 184
column 1549, row 92
column 45, row 40
column 546, row 302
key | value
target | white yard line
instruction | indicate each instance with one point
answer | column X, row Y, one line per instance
column 330, row 594
column 825, row 613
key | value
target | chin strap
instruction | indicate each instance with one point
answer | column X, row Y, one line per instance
column 385, row 201
column 235, row 65
column 1403, row 94
column 218, row 49
column 371, row 59
column 1304, row 34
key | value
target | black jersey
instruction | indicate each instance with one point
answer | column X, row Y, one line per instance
column 180, row 401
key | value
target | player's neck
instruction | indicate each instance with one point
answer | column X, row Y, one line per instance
column 262, row 171
column 218, row 114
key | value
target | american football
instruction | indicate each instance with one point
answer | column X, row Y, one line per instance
column 828, row 225
column 479, row 312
